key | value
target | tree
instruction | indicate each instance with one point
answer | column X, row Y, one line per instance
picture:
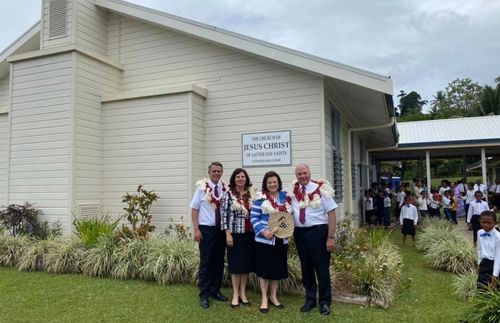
column 410, row 104
column 463, row 95
column 438, row 101
column 490, row 99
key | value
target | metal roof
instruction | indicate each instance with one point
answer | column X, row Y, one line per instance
column 450, row 132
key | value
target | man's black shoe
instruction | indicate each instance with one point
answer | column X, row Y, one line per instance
column 204, row 302
column 218, row 296
column 324, row 309
column 307, row 307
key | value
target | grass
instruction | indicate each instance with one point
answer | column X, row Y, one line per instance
column 43, row 297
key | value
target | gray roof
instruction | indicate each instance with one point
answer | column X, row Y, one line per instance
column 456, row 132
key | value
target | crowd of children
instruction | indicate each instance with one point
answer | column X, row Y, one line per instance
column 476, row 202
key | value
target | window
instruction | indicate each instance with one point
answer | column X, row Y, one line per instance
column 58, row 18
column 338, row 163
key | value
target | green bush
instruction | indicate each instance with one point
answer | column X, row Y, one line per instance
column 486, row 306
column 455, row 254
column 11, row 249
column 171, row 261
column 465, row 285
column 91, row 230
column 434, row 232
column 130, row 257
column 369, row 264
column 99, row 260
column 34, row 256
column 65, row 257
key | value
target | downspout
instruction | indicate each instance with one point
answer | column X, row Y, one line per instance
column 349, row 204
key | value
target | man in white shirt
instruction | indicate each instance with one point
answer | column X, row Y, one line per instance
column 314, row 215
column 480, row 187
column 488, row 250
column 205, row 215
column 475, row 209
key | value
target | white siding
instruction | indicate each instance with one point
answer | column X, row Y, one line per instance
column 4, row 92
column 241, row 89
column 93, row 80
column 46, row 42
column 4, row 144
column 91, row 27
column 199, row 168
column 146, row 142
column 40, row 135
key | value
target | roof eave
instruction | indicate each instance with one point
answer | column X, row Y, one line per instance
column 256, row 47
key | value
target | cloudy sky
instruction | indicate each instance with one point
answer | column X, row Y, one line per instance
column 422, row 44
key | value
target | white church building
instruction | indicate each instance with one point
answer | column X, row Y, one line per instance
column 103, row 95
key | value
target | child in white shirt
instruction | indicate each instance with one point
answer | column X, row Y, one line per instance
column 423, row 202
column 488, row 250
column 369, row 211
column 408, row 219
column 475, row 209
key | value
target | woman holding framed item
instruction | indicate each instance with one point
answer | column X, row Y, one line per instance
column 271, row 252
column 239, row 234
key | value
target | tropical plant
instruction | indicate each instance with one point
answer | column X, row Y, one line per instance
column 130, row 258
column 138, row 212
column 65, row 257
column 11, row 249
column 100, row 259
column 465, row 285
column 44, row 230
column 20, row 219
column 455, row 255
column 91, row 230
column 34, row 256
column 171, row 261
column 490, row 100
column 486, row 306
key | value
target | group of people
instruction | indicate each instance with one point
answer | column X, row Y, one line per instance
column 479, row 205
column 237, row 217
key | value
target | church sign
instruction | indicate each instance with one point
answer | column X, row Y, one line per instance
column 267, row 149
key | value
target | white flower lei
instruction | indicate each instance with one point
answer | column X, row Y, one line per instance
column 267, row 207
column 203, row 185
column 237, row 206
column 325, row 189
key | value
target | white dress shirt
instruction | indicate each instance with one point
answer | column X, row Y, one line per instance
column 314, row 216
column 408, row 211
column 475, row 208
column 368, row 204
column 488, row 246
column 206, row 210
column 422, row 203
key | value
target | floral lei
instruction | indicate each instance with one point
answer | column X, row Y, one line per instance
column 243, row 202
column 271, row 206
column 209, row 196
column 312, row 199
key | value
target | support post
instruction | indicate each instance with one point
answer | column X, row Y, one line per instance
column 428, row 169
column 483, row 167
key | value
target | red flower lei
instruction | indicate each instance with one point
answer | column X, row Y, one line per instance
column 243, row 200
column 300, row 196
column 215, row 201
column 276, row 206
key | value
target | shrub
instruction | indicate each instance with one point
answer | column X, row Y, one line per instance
column 171, row 261
column 465, row 285
column 65, row 257
column 138, row 213
column 91, row 230
column 11, row 249
column 20, row 219
column 130, row 257
column 486, row 306
column 34, row 256
column 44, row 230
column 99, row 260
column 455, row 254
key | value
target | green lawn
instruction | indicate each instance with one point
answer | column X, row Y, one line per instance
column 42, row 297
